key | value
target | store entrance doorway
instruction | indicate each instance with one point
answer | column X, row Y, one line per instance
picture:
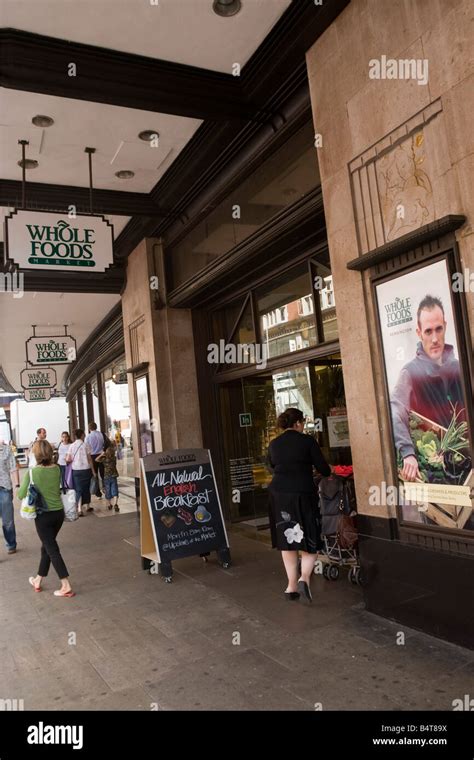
column 249, row 408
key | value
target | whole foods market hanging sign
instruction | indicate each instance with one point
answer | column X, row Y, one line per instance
column 43, row 240
column 51, row 350
column 38, row 377
column 38, row 394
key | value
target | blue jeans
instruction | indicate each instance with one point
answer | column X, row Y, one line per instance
column 8, row 522
column 82, row 481
column 111, row 488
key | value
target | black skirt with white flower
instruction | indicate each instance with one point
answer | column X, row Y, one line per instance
column 295, row 522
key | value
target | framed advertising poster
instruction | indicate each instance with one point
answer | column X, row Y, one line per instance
column 427, row 394
column 338, row 429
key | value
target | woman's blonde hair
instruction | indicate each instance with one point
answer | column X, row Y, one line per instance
column 43, row 452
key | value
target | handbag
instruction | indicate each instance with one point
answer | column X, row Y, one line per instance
column 346, row 532
column 68, row 480
column 33, row 504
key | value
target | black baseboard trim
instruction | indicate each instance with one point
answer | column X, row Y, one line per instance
column 427, row 590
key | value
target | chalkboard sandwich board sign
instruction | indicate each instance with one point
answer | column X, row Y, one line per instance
column 181, row 514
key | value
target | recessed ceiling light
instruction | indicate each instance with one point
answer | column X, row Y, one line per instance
column 28, row 163
column 148, row 135
column 226, row 7
column 125, row 174
column 42, row 121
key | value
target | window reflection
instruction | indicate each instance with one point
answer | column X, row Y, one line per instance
column 284, row 178
column 327, row 302
column 286, row 313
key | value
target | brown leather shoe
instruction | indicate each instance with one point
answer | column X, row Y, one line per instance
column 11, row 551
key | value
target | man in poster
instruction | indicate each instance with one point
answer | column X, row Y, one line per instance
column 430, row 384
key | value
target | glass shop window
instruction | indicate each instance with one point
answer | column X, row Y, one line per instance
column 285, row 309
column 284, row 178
column 327, row 303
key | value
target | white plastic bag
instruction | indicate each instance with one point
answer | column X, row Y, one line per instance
column 28, row 511
column 68, row 499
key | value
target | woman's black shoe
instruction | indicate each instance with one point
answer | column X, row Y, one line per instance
column 305, row 591
column 292, row 596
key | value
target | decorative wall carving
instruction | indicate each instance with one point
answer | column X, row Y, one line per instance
column 137, row 338
column 391, row 183
column 405, row 187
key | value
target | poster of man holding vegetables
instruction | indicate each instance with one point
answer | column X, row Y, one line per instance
column 427, row 403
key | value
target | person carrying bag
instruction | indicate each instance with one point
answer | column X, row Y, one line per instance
column 79, row 457
column 41, row 490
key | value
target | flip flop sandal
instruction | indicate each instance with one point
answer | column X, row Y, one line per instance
column 58, row 592
column 32, row 582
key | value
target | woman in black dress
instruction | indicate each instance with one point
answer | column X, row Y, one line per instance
column 294, row 501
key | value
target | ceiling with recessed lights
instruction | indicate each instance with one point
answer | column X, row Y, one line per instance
column 185, row 32
column 182, row 31
column 112, row 130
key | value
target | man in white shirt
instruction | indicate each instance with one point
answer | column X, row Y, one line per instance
column 40, row 436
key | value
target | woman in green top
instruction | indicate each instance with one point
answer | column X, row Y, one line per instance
column 47, row 479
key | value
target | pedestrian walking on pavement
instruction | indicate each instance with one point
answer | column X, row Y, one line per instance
column 83, row 469
column 8, row 472
column 108, row 459
column 294, row 501
column 63, row 449
column 96, row 441
column 47, row 480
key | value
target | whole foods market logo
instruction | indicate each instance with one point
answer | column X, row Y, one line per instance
column 398, row 312
column 52, row 351
column 38, row 380
column 61, row 244
column 37, row 394
column 42, row 239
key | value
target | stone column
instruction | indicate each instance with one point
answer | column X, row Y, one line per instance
column 162, row 337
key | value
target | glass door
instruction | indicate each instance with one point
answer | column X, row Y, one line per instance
column 249, row 411
column 331, row 426
column 260, row 429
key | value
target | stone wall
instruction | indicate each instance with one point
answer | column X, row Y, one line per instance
column 425, row 137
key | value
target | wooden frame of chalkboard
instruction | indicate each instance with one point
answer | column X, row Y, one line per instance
column 184, row 516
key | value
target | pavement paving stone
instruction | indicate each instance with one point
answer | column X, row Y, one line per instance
column 212, row 639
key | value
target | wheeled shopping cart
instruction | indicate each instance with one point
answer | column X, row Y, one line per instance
column 337, row 498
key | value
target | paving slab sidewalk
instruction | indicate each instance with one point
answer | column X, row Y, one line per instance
column 212, row 639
